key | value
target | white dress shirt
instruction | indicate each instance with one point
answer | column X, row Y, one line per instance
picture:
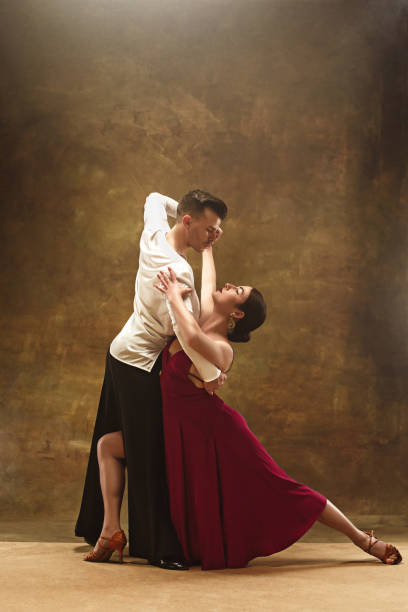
column 149, row 327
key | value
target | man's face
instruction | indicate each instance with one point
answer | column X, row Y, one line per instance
column 203, row 231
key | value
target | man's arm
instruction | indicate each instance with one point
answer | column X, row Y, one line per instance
column 156, row 210
column 212, row 386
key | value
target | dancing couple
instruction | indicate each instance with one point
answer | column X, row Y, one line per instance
column 201, row 488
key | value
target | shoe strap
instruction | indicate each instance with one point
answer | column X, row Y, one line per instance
column 391, row 550
column 373, row 540
column 101, row 545
column 116, row 541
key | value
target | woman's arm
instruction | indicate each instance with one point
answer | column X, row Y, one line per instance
column 209, row 373
column 217, row 352
column 208, row 284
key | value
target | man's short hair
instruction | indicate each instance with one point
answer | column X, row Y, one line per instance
column 194, row 203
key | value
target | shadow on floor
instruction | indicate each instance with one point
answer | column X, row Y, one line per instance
column 63, row 531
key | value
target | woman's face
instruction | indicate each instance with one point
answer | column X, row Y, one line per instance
column 229, row 298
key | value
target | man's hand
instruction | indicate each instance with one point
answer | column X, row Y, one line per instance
column 213, row 385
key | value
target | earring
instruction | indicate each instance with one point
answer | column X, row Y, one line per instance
column 231, row 323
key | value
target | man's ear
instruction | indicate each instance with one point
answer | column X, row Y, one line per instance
column 186, row 221
column 238, row 314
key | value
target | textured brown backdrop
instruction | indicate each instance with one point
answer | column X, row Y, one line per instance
column 294, row 112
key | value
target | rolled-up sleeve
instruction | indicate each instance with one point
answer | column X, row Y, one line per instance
column 156, row 210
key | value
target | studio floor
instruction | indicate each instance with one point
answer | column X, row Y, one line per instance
column 40, row 572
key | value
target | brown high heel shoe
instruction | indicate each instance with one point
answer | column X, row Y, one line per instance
column 389, row 549
column 117, row 542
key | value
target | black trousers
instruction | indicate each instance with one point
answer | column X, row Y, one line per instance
column 131, row 402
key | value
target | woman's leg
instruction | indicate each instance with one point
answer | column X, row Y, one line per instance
column 333, row 517
column 111, row 457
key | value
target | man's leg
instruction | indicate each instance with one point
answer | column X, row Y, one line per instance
column 151, row 533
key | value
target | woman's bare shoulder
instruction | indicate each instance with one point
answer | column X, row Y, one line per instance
column 217, row 337
column 223, row 343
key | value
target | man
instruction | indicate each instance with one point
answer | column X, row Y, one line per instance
column 130, row 403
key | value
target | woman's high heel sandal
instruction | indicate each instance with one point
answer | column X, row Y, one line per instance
column 116, row 542
column 389, row 549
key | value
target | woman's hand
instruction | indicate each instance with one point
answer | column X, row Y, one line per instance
column 215, row 235
column 170, row 286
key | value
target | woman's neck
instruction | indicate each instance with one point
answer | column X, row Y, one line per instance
column 216, row 323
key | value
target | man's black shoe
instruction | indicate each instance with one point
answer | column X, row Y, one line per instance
column 170, row 564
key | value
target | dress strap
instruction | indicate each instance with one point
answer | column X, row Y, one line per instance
column 194, row 376
column 166, row 354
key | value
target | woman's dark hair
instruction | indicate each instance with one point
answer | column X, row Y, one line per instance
column 194, row 203
column 255, row 313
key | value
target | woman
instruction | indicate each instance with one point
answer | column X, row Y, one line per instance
column 229, row 501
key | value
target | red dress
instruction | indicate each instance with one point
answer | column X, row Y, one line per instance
column 229, row 500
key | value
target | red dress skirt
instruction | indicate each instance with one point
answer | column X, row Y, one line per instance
column 229, row 501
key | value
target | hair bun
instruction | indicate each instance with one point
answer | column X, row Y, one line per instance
column 239, row 337
column 254, row 309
